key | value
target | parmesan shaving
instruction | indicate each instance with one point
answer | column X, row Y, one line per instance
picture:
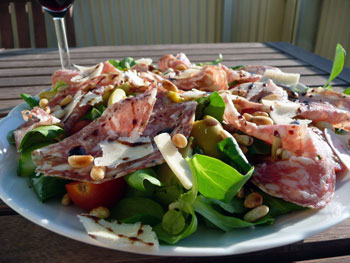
column 91, row 99
column 122, row 151
column 71, row 106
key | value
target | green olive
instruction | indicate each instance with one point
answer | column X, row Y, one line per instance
column 207, row 133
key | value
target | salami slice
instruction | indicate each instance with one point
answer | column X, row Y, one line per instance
column 308, row 178
column 180, row 62
column 239, row 76
column 125, row 119
column 35, row 118
column 208, row 78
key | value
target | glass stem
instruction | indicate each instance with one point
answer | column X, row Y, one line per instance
column 62, row 42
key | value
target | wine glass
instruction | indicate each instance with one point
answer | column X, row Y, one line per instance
column 58, row 8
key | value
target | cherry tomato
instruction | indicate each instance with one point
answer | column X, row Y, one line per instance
column 78, row 126
column 89, row 195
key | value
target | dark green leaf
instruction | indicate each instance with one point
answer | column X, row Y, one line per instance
column 236, row 205
column 49, row 133
column 168, row 194
column 278, row 206
column 226, row 223
column 11, row 138
column 233, row 155
column 338, row 64
column 212, row 105
column 135, row 209
column 143, row 180
column 217, row 179
column 237, row 67
column 26, row 167
column 47, row 187
column 30, row 100
column 259, row 147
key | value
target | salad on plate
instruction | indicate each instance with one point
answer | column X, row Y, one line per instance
column 149, row 152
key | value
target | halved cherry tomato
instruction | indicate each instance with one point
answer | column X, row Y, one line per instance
column 78, row 126
column 89, row 195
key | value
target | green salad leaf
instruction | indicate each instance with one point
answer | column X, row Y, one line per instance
column 136, row 209
column 41, row 134
column 233, row 155
column 214, row 62
column 217, row 179
column 59, row 84
column 237, row 67
column 236, row 205
column 204, row 207
column 338, row 64
column 212, row 105
column 47, row 187
column 143, row 180
column 30, row 100
column 126, row 63
column 11, row 138
column 347, row 91
column 95, row 113
column 26, row 167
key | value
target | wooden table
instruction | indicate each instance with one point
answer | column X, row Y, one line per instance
column 29, row 70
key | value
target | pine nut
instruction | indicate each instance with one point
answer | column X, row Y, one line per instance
column 261, row 120
column 256, row 213
column 240, row 193
column 271, row 97
column 179, row 140
column 100, row 212
column 66, row 100
column 324, row 124
column 59, row 114
column 261, row 113
column 98, row 173
column 253, row 200
column 248, row 116
column 238, row 108
column 65, row 200
column 239, row 92
column 80, row 161
column 43, row 103
column 181, row 67
column 47, row 109
column 276, row 144
column 243, row 139
column 283, row 154
column 168, row 85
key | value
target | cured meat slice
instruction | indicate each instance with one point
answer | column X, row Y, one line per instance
column 125, row 119
column 308, row 178
column 172, row 118
column 239, row 76
column 258, row 69
column 255, row 91
column 35, row 118
column 317, row 111
column 291, row 135
column 64, row 75
column 208, row 78
column 180, row 62
column 321, row 95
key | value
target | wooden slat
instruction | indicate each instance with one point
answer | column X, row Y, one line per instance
column 5, row 25
column 310, row 58
column 22, row 24
column 39, row 25
column 48, row 246
column 112, row 54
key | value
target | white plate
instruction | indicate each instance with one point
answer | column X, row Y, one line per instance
column 14, row 191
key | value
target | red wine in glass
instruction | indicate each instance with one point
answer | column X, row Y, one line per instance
column 57, row 8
